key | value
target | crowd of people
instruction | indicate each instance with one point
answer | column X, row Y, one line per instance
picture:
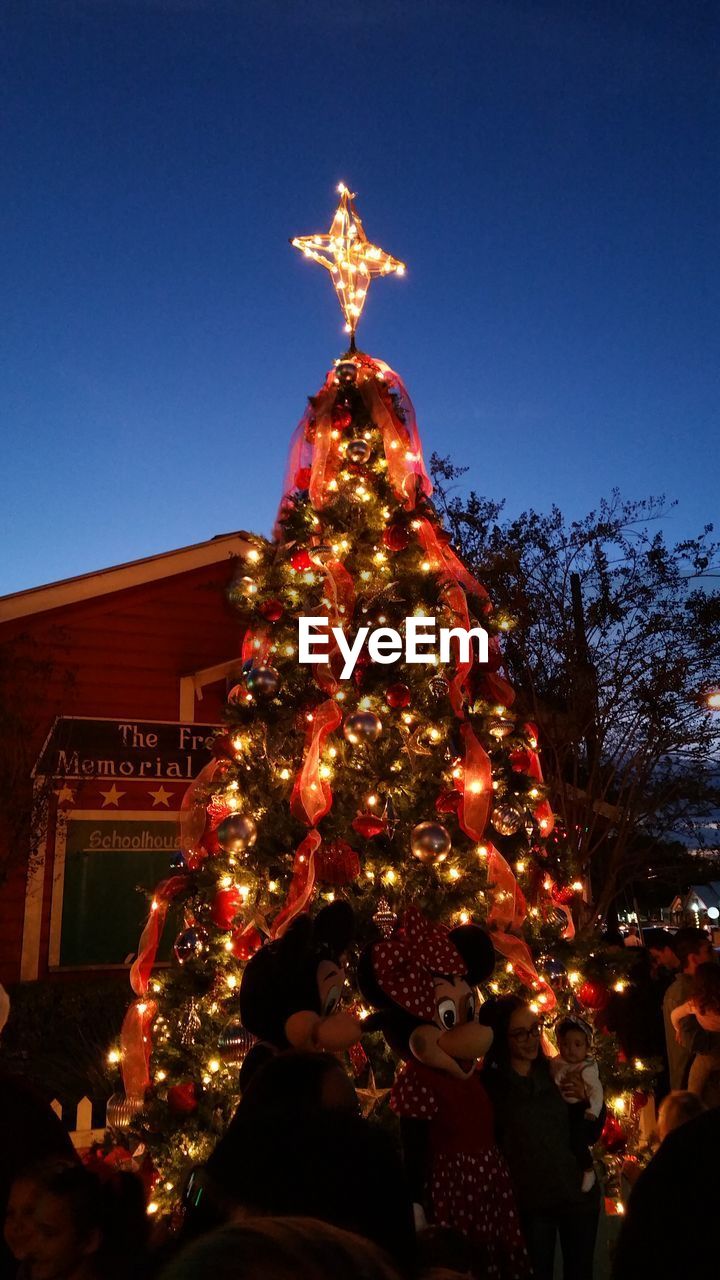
column 301, row 1185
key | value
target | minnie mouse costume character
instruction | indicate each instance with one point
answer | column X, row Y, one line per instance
column 421, row 980
column 291, row 989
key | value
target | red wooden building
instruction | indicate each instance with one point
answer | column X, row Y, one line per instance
column 109, row 685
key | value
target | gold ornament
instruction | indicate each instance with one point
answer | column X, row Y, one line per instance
column 430, row 842
column 349, row 257
column 371, row 1096
column 362, row 727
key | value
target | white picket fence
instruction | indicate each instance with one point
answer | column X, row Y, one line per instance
column 82, row 1134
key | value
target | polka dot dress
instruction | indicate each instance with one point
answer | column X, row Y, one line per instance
column 468, row 1183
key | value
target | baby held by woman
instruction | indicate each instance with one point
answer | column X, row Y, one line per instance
column 574, row 1041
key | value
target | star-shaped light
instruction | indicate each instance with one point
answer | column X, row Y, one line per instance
column 348, row 255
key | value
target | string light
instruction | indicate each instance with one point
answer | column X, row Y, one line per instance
column 349, row 257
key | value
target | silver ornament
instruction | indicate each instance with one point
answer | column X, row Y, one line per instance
column 498, row 727
column 362, row 727
column 234, row 1042
column 122, row 1109
column 430, row 842
column 438, row 687
column 237, row 833
column 358, row 450
column 190, row 944
column 263, row 682
column 189, row 1023
column 346, row 372
column 506, row 818
column 385, row 918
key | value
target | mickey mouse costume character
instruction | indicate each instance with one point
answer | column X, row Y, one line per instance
column 291, row 989
column 421, row 980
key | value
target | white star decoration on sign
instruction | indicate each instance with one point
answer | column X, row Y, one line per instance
column 350, row 258
column 112, row 796
column 161, row 796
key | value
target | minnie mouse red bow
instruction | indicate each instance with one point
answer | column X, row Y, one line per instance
column 407, row 962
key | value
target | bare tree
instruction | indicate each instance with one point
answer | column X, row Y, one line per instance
column 614, row 641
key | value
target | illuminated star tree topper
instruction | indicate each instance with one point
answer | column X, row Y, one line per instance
column 350, row 258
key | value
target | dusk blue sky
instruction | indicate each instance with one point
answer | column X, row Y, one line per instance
column 548, row 169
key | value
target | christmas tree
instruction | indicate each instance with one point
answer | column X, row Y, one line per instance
column 394, row 768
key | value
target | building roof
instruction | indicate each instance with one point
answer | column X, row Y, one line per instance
column 87, row 586
column 708, row 894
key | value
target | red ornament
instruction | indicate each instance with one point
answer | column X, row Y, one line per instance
column 337, row 863
column 302, row 477
column 398, row 695
column 368, row 825
column 182, row 1098
column 222, row 747
column 225, row 906
column 244, row 945
column 563, row 894
column 521, row 760
column 612, row 1136
column 593, row 995
column 300, row 561
column 341, row 418
column 396, row 537
column 272, row 610
column 448, row 802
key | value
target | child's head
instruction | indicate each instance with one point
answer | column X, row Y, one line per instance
column 706, row 988
column 77, row 1220
column 574, row 1039
column 675, row 1109
column 19, row 1216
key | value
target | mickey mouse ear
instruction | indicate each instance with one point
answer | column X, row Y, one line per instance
column 476, row 948
column 334, row 925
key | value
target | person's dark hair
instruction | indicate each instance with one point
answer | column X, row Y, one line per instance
column 573, row 1024
column 326, row 1164
column 114, row 1207
column 658, row 939
column 296, row 1079
column 496, row 1013
column 281, row 1249
column 687, row 942
column 706, row 987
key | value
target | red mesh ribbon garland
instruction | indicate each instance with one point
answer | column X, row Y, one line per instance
column 530, row 765
column 443, row 559
column 135, row 1041
column 508, row 909
column 403, row 453
column 136, row 1046
column 301, row 886
column 326, row 457
column 477, row 786
column 507, row 912
column 456, row 601
column 311, row 797
column 339, row 604
column 406, row 964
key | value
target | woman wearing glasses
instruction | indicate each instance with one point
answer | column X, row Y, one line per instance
column 537, row 1131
